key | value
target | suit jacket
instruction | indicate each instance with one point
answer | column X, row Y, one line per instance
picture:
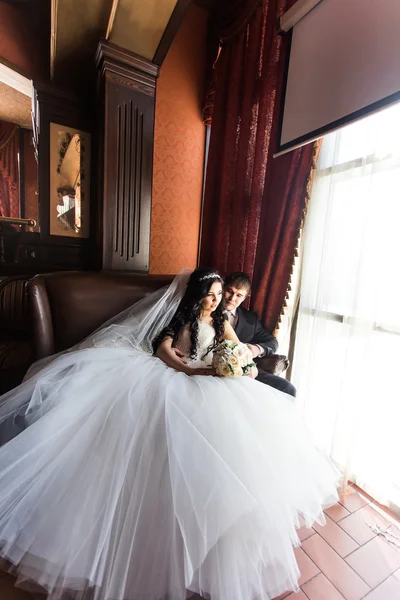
column 250, row 331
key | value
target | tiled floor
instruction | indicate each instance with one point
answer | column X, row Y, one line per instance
column 344, row 560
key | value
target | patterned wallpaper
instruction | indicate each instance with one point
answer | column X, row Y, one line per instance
column 179, row 141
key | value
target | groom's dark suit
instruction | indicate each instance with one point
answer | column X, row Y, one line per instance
column 250, row 331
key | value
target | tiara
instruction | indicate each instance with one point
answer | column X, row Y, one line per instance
column 210, row 276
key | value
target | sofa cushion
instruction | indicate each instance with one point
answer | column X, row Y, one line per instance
column 80, row 302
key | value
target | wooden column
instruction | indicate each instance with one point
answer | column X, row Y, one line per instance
column 126, row 100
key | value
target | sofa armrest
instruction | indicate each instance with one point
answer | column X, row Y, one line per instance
column 274, row 364
column 42, row 325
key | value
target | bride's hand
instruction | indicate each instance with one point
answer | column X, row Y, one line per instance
column 253, row 372
column 200, row 371
column 179, row 354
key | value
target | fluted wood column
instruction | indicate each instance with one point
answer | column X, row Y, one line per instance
column 126, row 97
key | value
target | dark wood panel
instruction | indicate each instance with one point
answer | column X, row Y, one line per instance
column 129, row 158
column 127, row 85
column 112, row 58
column 26, row 252
column 51, row 256
column 55, row 105
column 40, row 251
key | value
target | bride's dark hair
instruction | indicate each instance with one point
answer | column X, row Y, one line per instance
column 189, row 310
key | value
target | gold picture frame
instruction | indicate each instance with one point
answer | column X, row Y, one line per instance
column 69, row 181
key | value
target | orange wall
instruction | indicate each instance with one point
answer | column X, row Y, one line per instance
column 179, row 140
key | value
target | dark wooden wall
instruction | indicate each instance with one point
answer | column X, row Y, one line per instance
column 119, row 115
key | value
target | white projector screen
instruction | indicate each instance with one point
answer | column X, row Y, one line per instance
column 344, row 63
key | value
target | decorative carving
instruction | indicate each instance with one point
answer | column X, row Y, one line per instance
column 69, row 181
column 134, row 84
column 128, row 194
column 109, row 54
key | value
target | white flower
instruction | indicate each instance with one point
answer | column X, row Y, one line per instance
column 223, row 370
column 232, row 359
column 237, row 371
column 242, row 361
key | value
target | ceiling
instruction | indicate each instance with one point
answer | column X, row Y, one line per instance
column 77, row 27
column 138, row 26
column 64, row 35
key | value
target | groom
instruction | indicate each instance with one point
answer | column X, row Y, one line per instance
column 249, row 330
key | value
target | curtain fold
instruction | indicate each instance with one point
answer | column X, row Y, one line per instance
column 228, row 18
column 253, row 203
column 282, row 216
column 9, row 172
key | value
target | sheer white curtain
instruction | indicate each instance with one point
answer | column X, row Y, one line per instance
column 347, row 355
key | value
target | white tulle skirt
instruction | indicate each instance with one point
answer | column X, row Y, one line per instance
column 131, row 481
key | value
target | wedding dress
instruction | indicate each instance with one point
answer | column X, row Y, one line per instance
column 124, row 479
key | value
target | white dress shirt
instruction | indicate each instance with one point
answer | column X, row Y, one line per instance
column 232, row 317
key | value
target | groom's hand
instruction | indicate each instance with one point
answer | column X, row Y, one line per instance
column 179, row 355
column 253, row 373
column 255, row 350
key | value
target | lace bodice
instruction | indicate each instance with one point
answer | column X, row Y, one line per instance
column 205, row 338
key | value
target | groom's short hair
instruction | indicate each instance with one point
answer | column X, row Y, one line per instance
column 239, row 280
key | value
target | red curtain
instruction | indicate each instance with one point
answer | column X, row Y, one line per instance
column 9, row 175
column 228, row 18
column 282, row 213
column 253, row 203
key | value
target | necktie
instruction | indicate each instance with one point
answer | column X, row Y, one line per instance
column 231, row 318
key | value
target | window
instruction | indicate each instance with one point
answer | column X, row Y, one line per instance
column 347, row 353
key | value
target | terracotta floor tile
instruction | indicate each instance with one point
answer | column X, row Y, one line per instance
column 353, row 499
column 374, row 561
column 358, row 525
column 394, row 537
column 307, row 568
column 342, row 543
column 349, row 584
column 337, row 512
column 299, row 596
column 305, row 532
column 320, row 588
column 388, row 590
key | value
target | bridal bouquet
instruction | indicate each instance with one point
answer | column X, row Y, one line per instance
column 232, row 359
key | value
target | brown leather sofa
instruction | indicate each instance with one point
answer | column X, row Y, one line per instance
column 16, row 352
column 67, row 306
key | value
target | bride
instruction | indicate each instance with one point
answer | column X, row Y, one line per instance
column 130, row 472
